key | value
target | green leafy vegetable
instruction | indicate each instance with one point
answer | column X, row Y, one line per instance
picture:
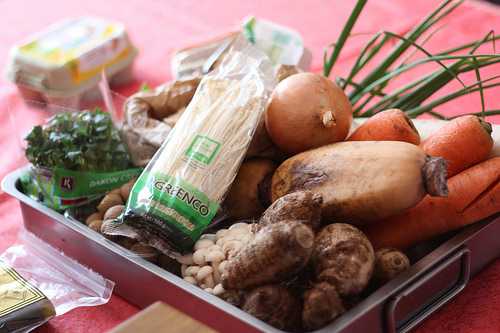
column 79, row 141
column 368, row 90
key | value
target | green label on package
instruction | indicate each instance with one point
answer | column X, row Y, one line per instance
column 61, row 188
column 172, row 202
column 203, row 149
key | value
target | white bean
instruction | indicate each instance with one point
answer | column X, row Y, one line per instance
column 204, row 272
column 241, row 225
column 192, row 270
column 186, row 259
column 218, row 290
column 203, row 243
column 221, row 241
column 190, row 279
column 231, row 248
column 216, row 274
column 199, row 257
column 209, row 290
column 221, row 233
column 215, row 255
column 209, row 281
column 222, row 266
column 212, row 237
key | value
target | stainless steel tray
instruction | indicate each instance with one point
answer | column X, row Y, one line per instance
column 398, row 306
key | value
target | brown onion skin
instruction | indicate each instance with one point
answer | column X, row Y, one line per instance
column 298, row 117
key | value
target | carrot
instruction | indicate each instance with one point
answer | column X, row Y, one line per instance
column 462, row 142
column 388, row 125
column 474, row 194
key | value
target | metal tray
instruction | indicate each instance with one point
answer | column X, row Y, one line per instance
column 398, row 306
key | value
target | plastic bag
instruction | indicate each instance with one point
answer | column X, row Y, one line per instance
column 38, row 282
column 179, row 192
column 77, row 156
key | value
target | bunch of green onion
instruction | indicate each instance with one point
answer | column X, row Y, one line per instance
column 369, row 93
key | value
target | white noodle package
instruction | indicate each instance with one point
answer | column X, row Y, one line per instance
column 180, row 190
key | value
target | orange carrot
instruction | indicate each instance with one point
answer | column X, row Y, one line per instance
column 474, row 194
column 462, row 142
column 388, row 125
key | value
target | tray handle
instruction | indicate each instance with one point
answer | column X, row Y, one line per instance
column 462, row 254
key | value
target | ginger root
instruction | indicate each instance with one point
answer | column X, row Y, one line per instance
column 275, row 305
column 322, row 304
column 277, row 251
column 343, row 257
column 304, row 206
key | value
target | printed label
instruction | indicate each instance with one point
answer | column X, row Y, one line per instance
column 15, row 291
column 174, row 201
column 203, row 149
column 61, row 188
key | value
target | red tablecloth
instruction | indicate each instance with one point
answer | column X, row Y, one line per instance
column 157, row 27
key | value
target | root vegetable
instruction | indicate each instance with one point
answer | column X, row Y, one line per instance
column 261, row 145
column 275, row 305
column 322, row 304
column 109, row 200
column 307, row 111
column 388, row 125
column 389, row 263
column 343, row 257
column 301, row 205
column 474, row 195
column 113, row 212
column 93, row 217
column 250, row 192
column 126, row 188
column 96, row 225
column 463, row 142
column 277, row 251
column 362, row 181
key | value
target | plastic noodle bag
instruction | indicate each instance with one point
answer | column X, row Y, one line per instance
column 38, row 282
column 179, row 192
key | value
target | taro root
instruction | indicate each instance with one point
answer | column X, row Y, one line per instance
column 275, row 305
column 322, row 304
column 389, row 263
column 276, row 252
column 343, row 257
column 301, row 205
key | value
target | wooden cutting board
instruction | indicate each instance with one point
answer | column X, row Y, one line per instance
column 161, row 318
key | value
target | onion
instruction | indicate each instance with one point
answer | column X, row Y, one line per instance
column 307, row 111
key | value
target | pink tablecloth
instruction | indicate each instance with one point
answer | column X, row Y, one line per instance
column 157, row 27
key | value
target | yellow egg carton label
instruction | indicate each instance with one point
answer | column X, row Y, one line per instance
column 85, row 46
